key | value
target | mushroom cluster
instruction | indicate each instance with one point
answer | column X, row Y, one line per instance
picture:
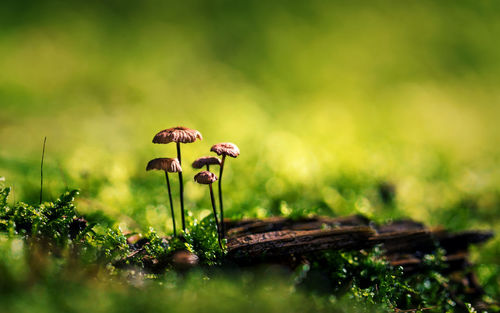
column 178, row 135
column 222, row 149
column 168, row 165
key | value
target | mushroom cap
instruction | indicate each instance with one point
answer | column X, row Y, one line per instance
column 206, row 160
column 177, row 134
column 226, row 148
column 165, row 164
column 184, row 260
column 205, row 177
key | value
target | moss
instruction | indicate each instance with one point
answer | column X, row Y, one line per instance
column 43, row 243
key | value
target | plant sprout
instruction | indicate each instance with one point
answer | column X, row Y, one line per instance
column 207, row 178
column 224, row 149
column 178, row 135
column 167, row 165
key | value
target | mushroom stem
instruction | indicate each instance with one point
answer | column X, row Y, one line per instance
column 223, row 231
column 181, row 183
column 215, row 215
column 171, row 204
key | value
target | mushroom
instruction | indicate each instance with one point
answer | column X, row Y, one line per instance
column 167, row 165
column 224, row 149
column 178, row 134
column 207, row 178
column 184, row 260
column 206, row 161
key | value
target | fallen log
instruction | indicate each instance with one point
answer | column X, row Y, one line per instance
column 293, row 242
column 460, row 241
column 290, row 242
column 404, row 243
column 273, row 236
column 255, row 226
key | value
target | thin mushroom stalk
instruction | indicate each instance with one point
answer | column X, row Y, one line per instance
column 171, row 203
column 181, row 188
column 167, row 165
column 207, row 178
column 224, row 149
column 221, row 205
column 212, row 198
column 178, row 135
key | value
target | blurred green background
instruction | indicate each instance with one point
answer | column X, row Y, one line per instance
column 330, row 102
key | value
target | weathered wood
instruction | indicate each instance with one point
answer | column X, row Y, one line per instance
column 255, row 226
column 405, row 241
column 289, row 242
column 460, row 241
column 400, row 225
column 273, row 236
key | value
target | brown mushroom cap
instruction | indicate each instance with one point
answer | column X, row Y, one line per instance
column 226, row 148
column 206, row 160
column 205, row 177
column 177, row 134
column 184, row 260
column 165, row 164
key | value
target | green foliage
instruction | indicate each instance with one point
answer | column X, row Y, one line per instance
column 201, row 238
column 364, row 278
column 4, row 194
column 330, row 103
column 156, row 247
column 112, row 245
column 430, row 285
column 55, row 221
column 366, row 281
column 40, row 242
column 58, row 224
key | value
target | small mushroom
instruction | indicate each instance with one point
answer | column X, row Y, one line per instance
column 167, row 165
column 178, row 135
column 207, row 178
column 206, row 161
column 184, row 260
column 224, row 149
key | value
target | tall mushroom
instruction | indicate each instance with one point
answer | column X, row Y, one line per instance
column 224, row 149
column 207, row 178
column 206, row 161
column 178, row 135
column 167, row 165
